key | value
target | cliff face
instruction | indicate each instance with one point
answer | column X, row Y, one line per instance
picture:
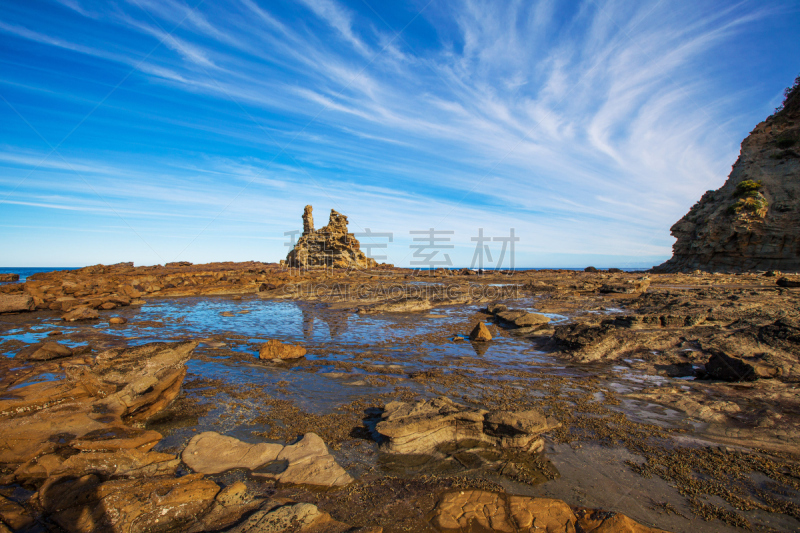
column 330, row 246
column 753, row 221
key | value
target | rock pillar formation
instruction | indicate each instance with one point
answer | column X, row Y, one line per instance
column 752, row 222
column 330, row 246
column 308, row 220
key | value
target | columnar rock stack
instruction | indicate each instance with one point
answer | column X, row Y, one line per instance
column 753, row 221
column 330, row 246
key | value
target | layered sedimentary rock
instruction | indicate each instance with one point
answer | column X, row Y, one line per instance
column 422, row 427
column 753, row 221
column 330, row 246
column 307, row 462
column 478, row 510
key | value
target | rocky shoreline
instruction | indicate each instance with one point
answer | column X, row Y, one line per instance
column 97, row 419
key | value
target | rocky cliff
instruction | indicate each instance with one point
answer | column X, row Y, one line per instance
column 330, row 246
column 752, row 222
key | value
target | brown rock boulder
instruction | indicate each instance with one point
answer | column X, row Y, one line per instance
column 307, row 462
column 4, row 278
column 14, row 515
column 723, row 367
column 85, row 409
column 275, row 349
column 212, row 453
column 88, row 505
column 295, row 517
column 46, row 352
column 80, row 313
column 477, row 510
column 422, row 427
column 788, row 282
column 480, row 333
column 16, row 303
column 310, row 463
column 133, row 463
column 117, row 320
column 531, row 319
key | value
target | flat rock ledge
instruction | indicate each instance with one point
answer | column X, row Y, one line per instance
column 477, row 510
column 422, row 427
column 308, row 461
column 516, row 318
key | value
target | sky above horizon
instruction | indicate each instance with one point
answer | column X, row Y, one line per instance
column 161, row 130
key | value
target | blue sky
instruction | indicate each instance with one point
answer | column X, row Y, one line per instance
column 163, row 130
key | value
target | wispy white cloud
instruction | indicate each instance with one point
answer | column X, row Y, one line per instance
column 594, row 127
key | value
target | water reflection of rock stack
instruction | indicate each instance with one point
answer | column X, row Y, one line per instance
column 330, row 246
column 336, row 322
column 308, row 324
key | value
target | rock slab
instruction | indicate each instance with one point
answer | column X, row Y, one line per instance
column 422, row 427
column 477, row 510
column 275, row 349
column 307, row 462
column 16, row 303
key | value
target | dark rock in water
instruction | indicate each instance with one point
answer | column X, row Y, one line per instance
column 726, row 368
column 783, row 333
column 480, row 333
column 615, row 271
column 590, row 269
column 579, row 336
column 786, row 282
column 496, row 308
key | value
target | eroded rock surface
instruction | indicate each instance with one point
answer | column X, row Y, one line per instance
column 752, row 222
column 480, row 333
column 81, row 313
column 297, row 517
column 275, row 349
column 476, row 510
column 307, row 462
column 16, row 303
column 422, row 427
column 330, row 246
column 88, row 410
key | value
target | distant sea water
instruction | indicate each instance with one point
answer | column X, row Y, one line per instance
column 24, row 272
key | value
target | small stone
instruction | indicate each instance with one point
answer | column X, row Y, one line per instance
column 117, row 320
column 275, row 349
column 480, row 333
